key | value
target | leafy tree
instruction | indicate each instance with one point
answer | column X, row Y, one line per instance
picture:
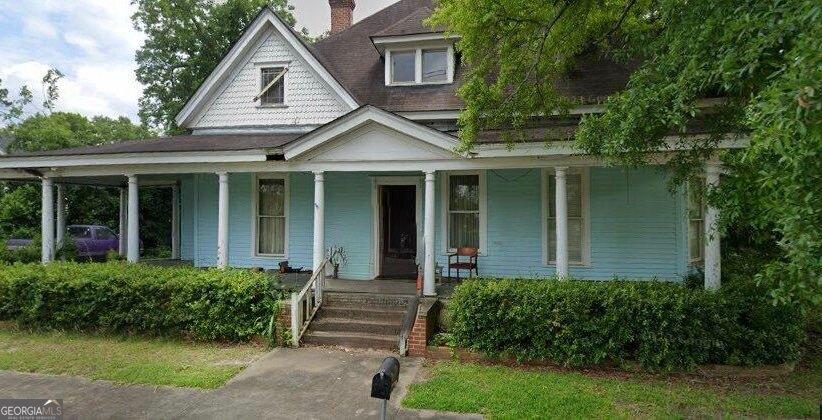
column 61, row 130
column 762, row 56
column 20, row 203
column 185, row 40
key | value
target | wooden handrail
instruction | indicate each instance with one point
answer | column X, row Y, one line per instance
column 301, row 313
column 317, row 271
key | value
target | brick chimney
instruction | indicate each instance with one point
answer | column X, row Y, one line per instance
column 342, row 14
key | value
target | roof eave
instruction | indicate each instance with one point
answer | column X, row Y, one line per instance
column 381, row 42
column 142, row 158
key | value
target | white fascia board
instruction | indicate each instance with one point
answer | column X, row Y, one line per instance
column 361, row 117
column 132, row 159
column 405, row 166
column 215, row 78
column 256, row 129
column 431, row 115
column 566, row 147
column 433, row 38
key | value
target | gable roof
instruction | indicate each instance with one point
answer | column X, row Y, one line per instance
column 264, row 20
column 361, row 117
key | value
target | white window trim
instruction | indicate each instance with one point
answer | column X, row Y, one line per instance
column 258, row 66
column 255, row 196
column 376, row 207
column 449, row 59
column 699, row 261
column 586, row 216
column 483, row 209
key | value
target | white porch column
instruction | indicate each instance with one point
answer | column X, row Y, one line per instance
column 319, row 219
column 429, row 287
column 319, row 232
column 133, row 233
column 222, row 220
column 562, row 223
column 175, row 222
column 61, row 215
column 123, row 221
column 47, row 219
column 713, row 258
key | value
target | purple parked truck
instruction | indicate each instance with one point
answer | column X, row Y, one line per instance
column 91, row 241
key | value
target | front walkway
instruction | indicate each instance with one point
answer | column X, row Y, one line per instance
column 312, row 383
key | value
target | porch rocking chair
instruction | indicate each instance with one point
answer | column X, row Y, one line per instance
column 470, row 265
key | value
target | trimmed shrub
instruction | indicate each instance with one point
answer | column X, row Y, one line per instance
column 662, row 326
column 233, row 305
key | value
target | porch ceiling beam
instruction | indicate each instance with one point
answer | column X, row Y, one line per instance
column 384, row 166
column 132, row 159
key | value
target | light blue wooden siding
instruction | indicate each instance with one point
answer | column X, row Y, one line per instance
column 187, row 217
column 241, row 221
column 348, row 220
column 635, row 226
column 301, row 222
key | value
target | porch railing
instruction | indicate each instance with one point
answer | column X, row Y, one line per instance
column 306, row 303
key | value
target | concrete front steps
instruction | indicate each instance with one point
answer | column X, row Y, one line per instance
column 358, row 320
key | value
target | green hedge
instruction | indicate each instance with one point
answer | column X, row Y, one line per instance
column 233, row 305
column 662, row 326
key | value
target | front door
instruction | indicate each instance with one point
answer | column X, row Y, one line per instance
column 398, row 231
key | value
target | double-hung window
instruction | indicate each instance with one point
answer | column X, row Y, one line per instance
column 271, row 216
column 576, row 190
column 696, row 224
column 464, row 218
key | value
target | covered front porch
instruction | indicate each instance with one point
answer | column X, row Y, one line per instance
column 533, row 210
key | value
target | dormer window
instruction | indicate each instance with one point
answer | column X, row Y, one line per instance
column 272, row 84
column 419, row 66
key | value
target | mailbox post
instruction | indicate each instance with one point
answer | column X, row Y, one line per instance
column 383, row 383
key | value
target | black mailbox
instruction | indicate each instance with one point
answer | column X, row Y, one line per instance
column 385, row 378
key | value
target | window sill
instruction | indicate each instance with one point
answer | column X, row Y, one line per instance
column 271, row 256
column 553, row 264
column 407, row 84
column 274, row 106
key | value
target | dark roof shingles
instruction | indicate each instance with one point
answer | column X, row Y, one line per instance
column 411, row 25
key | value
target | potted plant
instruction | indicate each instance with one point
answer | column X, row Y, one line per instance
column 338, row 258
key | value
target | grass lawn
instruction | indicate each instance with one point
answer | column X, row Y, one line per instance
column 504, row 392
column 128, row 360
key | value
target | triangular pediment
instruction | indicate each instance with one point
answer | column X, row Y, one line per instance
column 372, row 134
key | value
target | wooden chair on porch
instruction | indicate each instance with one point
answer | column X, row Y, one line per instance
column 458, row 264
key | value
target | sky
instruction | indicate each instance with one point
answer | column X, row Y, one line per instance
column 93, row 43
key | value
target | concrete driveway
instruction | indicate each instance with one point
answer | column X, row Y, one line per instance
column 313, row 383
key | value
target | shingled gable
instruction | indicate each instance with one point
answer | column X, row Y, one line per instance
column 251, row 35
